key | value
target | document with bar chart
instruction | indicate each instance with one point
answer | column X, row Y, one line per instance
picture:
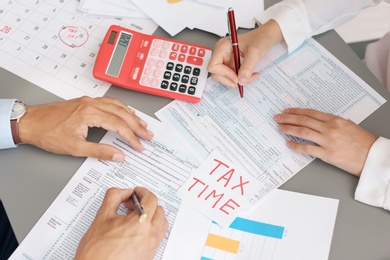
column 286, row 225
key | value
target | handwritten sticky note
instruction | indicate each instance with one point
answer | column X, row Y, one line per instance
column 219, row 189
column 173, row 1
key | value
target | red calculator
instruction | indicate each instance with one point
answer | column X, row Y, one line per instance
column 152, row 64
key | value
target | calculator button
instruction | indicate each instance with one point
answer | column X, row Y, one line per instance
column 201, row 52
column 185, row 78
column 173, row 86
column 157, row 43
column 154, row 52
column 164, row 84
column 160, row 64
column 166, row 45
column 154, row 82
column 151, row 62
column 192, row 51
column 148, row 71
column 145, row 80
column 157, row 73
column 184, row 49
column 187, row 70
column 182, row 88
column 175, row 47
column 173, row 55
column 176, row 77
column 196, row 72
column 182, row 57
column 195, row 60
column 194, row 80
column 163, row 54
column 173, row 67
column 179, row 67
column 191, row 90
column 167, row 75
column 170, row 66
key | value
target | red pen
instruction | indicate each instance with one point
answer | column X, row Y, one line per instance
column 234, row 41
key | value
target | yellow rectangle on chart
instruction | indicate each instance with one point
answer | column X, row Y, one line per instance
column 222, row 243
column 173, row 1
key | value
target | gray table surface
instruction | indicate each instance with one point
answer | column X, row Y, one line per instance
column 31, row 178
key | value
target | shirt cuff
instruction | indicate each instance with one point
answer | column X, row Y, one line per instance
column 6, row 139
column 292, row 19
column 373, row 187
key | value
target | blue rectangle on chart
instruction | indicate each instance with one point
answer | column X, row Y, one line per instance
column 205, row 258
column 258, row 228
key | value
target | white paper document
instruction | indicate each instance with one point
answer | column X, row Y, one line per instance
column 113, row 9
column 162, row 168
column 175, row 16
column 242, row 129
column 53, row 45
column 287, row 225
column 219, row 189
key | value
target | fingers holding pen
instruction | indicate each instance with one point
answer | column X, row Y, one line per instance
column 112, row 200
column 147, row 200
column 160, row 222
column 221, row 64
column 155, row 223
column 253, row 46
column 149, row 203
column 124, row 237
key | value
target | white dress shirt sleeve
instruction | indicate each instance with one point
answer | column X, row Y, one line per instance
column 6, row 140
column 374, row 183
column 302, row 19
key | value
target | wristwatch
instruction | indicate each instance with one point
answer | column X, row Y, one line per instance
column 18, row 111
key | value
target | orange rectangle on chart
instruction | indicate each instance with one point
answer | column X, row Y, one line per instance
column 223, row 243
column 173, row 1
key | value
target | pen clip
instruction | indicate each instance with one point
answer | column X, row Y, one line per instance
column 229, row 28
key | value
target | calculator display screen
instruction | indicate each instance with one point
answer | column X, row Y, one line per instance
column 119, row 54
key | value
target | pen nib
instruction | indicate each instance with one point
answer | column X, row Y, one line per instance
column 241, row 89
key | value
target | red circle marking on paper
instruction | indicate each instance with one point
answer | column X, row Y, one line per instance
column 73, row 36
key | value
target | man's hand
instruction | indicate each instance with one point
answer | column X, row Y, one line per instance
column 123, row 237
column 62, row 127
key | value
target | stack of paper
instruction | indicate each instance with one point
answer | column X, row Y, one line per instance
column 175, row 15
column 117, row 9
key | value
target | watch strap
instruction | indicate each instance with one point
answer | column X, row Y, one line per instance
column 15, row 132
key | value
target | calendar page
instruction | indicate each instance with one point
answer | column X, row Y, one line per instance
column 54, row 46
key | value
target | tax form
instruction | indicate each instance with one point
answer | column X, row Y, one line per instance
column 162, row 168
column 242, row 129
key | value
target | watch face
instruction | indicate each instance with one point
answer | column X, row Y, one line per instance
column 18, row 110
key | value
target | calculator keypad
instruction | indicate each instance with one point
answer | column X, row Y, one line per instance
column 173, row 66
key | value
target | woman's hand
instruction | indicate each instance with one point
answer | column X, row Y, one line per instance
column 253, row 45
column 339, row 142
